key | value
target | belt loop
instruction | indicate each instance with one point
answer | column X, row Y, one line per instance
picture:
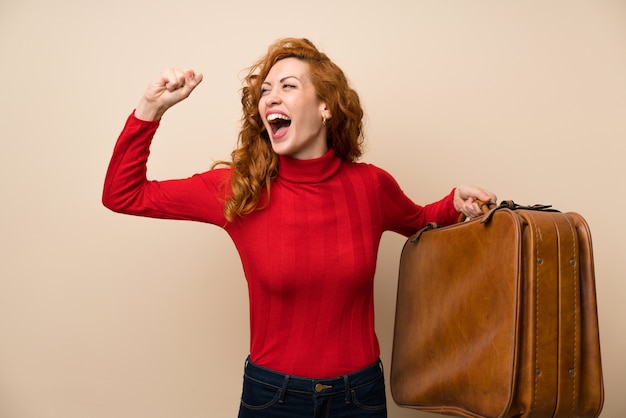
column 346, row 382
column 283, row 390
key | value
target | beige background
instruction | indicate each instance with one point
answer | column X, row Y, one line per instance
column 104, row 315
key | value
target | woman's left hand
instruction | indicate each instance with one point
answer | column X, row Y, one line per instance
column 465, row 198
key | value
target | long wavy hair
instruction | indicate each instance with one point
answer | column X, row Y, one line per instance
column 254, row 162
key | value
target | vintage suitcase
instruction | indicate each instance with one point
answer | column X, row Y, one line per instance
column 497, row 317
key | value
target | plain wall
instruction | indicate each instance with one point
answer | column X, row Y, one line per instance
column 105, row 315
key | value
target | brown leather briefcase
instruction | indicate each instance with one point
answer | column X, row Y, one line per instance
column 497, row 317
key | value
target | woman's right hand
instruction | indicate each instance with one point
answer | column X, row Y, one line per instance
column 173, row 86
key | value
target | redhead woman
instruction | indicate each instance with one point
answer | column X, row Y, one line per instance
column 306, row 218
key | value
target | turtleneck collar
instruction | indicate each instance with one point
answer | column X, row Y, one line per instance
column 316, row 170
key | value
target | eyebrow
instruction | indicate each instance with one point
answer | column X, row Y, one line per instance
column 283, row 79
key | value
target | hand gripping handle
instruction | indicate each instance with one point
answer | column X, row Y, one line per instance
column 484, row 206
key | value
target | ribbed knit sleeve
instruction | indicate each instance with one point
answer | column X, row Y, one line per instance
column 402, row 215
column 127, row 190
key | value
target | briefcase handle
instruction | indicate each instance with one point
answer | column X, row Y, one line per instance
column 488, row 209
column 484, row 206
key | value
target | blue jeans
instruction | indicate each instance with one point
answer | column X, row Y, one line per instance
column 267, row 393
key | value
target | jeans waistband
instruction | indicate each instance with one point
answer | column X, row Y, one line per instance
column 323, row 386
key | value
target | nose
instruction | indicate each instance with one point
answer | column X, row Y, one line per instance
column 271, row 98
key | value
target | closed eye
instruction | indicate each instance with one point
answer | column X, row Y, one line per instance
column 265, row 87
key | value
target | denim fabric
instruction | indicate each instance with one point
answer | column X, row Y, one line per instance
column 267, row 393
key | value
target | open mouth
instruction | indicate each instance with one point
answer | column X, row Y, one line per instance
column 279, row 123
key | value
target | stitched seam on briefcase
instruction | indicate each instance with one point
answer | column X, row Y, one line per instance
column 575, row 290
column 534, row 225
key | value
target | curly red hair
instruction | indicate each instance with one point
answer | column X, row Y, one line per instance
column 254, row 162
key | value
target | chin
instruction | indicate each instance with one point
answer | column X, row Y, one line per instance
column 279, row 151
column 280, row 148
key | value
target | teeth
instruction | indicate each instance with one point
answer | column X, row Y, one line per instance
column 275, row 116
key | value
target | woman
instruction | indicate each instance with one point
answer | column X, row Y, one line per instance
column 306, row 220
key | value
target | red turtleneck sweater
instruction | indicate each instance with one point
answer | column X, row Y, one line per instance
column 309, row 257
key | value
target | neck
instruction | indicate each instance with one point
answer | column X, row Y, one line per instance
column 315, row 170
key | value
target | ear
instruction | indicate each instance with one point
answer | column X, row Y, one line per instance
column 326, row 114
